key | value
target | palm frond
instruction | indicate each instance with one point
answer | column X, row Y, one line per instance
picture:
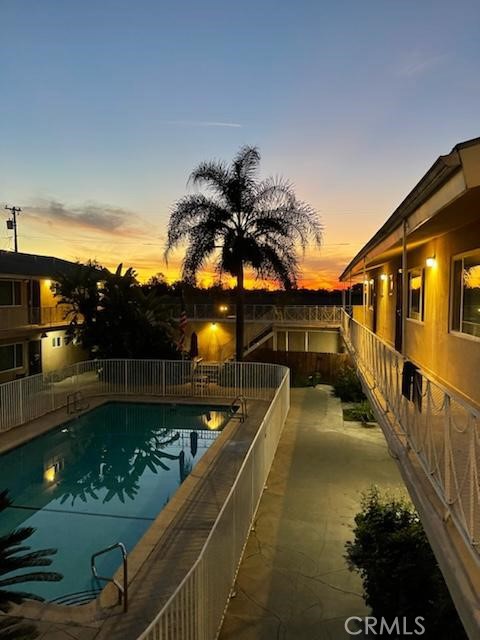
column 247, row 162
column 187, row 214
column 214, row 175
column 200, row 249
column 12, row 628
column 33, row 576
column 12, row 539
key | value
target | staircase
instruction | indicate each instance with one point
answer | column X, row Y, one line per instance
column 258, row 340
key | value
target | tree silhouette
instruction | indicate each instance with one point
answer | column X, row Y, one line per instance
column 112, row 316
column 242, row 223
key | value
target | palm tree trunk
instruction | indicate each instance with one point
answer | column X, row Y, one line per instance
column 240, row 318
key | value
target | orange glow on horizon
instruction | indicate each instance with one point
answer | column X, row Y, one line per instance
column 143, row 250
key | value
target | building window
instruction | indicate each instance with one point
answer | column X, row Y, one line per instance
column 466, row 294
column 11, row 356
column 56, row 342
column 10, row 293
column 416, row 294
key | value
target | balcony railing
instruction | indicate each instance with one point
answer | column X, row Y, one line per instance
column 327, row 314
column 25, row 317
column 442, row 429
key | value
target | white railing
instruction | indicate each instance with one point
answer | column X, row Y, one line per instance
column 195, row 610
column 308, row 313
column 328, row 314
column 29, row 398
column 441, row 428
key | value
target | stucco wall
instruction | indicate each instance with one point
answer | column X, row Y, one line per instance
column 46, row 296
column 216, row 340
column 58, row 357
column 451, row 358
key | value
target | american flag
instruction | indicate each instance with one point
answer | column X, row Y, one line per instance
column 183, row 326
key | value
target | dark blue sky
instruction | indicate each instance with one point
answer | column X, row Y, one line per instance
column 107, row 106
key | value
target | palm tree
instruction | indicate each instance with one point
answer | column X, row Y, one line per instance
column 242, row 222
column 14, row 556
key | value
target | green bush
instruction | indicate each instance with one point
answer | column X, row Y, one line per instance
column 360, row 412
column 347, row 386
column 399, row 572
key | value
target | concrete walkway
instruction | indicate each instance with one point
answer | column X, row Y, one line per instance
column 293, row 582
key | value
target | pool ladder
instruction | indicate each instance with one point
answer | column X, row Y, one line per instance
column 76, row 402
column 243, row 413
column 122, row 589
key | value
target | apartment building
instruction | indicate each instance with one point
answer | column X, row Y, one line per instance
column 32, row 325
column 416, row 343
column 421, row 274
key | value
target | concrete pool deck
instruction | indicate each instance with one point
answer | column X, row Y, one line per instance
column 293, row 583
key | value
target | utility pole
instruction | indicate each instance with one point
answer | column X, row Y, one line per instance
column 12, row 224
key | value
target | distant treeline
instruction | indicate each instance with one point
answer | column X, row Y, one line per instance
column 218, row 294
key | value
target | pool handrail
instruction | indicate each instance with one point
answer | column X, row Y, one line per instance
column 243, row 414
column 74, row 400
column 122, row 589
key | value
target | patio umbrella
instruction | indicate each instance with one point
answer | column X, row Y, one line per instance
column 193, row 346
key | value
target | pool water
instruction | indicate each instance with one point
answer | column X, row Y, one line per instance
column 101, row 478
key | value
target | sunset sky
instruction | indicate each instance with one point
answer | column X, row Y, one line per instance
column 107, row 106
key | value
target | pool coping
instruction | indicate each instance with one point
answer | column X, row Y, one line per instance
column 96, row 612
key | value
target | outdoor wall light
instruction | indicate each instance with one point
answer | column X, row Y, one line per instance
column 431, row 262
column 213, row 326
column 372, row 281
column 223, row 308
column 383, row 276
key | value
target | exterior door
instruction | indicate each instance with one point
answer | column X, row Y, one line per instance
column 34, row 357
column 34, row 301
column 399, row 313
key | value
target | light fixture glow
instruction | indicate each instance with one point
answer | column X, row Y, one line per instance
column 431, row 262
column 213, row 326
column 383, row 276
column 223, row 308
column 50, row 473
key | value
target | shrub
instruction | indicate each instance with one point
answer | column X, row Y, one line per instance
column 399, row 572
column 360, row 412
column 347, row 386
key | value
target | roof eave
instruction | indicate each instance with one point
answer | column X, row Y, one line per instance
column 438, row 174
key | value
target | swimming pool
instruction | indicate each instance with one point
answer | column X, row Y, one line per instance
column 101, row 478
